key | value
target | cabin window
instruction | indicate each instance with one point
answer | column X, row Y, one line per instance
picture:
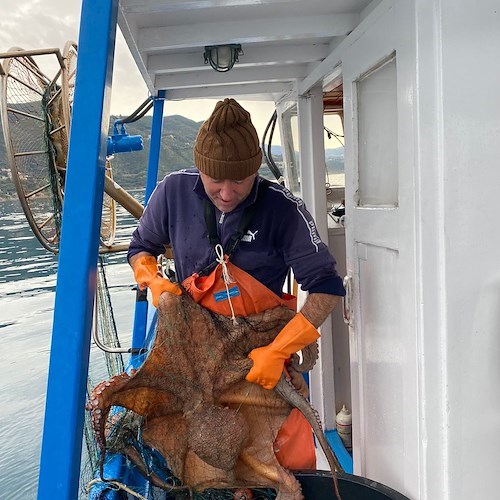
column 334, row 150
column 378, row 136
column 334, row 164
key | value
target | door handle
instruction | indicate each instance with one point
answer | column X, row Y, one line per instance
column 347, row 301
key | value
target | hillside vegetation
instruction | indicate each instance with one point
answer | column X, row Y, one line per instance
column 129, row 169
column 179, row 134
column 176, row 152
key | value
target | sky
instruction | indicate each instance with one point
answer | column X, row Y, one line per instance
column 37, row 24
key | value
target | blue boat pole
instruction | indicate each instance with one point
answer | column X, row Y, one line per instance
column 155, row 145
column 141, row 304
column 64, row 411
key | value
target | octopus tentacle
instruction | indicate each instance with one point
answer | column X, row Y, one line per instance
column 288, row 392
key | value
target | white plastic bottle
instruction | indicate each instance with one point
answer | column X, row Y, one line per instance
column 344, row 427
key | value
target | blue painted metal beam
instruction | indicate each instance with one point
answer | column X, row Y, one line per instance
column 343, row 456
column 155, row 145
column 141, row 305
column 64, row 411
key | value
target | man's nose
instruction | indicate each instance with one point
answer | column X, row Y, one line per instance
column 226, row 190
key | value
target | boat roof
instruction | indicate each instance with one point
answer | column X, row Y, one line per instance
column 283, row 41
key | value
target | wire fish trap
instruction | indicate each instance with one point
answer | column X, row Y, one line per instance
column 36, row 115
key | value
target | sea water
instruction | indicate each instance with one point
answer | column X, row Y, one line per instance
column 27, row 290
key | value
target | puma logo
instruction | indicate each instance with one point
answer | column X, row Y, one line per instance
column 250, row 236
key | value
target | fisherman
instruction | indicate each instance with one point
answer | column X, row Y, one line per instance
column 257, row 230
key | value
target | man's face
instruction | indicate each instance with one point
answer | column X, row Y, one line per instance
column 225, row 194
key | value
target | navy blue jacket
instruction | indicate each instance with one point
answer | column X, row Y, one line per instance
column 282, row 234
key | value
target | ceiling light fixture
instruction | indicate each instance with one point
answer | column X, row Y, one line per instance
column 222, row 57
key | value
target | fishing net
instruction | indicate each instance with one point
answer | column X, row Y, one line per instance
column 104, row 363
column 36, row 116
column 30, row 108
column 106, row 324
column 125, row 432
column 215, row 443
column 108, row 218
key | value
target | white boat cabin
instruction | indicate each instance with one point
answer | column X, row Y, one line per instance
column 416, row 83
column 414, row 349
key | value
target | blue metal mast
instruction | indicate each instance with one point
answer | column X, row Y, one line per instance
column 141, row 304
column 155, row 145
column 64, row 411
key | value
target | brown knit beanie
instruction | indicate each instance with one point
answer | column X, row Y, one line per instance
column 227, row 145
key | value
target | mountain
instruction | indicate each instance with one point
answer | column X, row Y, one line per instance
column 129, row 169
column 329, row 153
column 334, row 158
column 176, row 152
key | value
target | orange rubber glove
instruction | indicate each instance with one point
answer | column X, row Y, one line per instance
column 147, row 275
column 268, row 361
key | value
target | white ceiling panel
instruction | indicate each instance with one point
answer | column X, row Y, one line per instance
column 282, row 41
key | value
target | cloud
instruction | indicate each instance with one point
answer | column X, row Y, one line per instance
column 36, row 24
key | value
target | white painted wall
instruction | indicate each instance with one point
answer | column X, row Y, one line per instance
column 448, row 421
column 457, row 267
column 470, row 82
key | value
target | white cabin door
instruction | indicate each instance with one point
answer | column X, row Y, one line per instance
column 378, row 78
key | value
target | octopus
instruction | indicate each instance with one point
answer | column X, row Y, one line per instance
column 214, row 429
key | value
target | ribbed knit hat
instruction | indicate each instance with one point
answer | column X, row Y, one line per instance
column 227, row 145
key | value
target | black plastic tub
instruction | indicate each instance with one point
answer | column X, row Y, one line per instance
column 318, row 485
